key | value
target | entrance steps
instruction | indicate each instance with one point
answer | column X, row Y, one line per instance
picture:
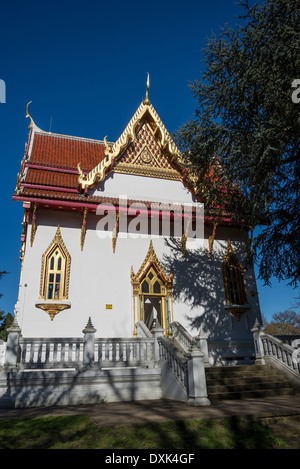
column 246, row 381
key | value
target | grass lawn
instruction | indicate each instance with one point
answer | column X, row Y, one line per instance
column 79, row 432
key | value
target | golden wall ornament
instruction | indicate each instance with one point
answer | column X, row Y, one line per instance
column 211, row 239
column 33, row 224
column 53, row 308
column 83, row 229
column 115, row 232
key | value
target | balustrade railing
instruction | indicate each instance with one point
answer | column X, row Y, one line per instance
column 175, row 361
column 65, row 353
column 181, row 336
column 272, row 348
column 124, row 352
column 286, row 354
column 23, row 354
column 68, row 353
column 50, row 353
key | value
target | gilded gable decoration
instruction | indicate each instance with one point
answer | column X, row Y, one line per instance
column 113, row 152
column 151, row 259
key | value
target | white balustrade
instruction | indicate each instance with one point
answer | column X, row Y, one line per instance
column 175, row 361
column 271, row 347
column 124, row 352
column 284, row 353
column 50, row 353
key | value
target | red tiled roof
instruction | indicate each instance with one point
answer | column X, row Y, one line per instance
column 51, row 178
column 52, row 165
column 65, row 152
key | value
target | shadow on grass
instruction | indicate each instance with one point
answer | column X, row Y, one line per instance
column 79, row 432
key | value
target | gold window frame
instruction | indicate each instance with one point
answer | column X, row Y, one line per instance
column 57, row 244
column 232, row 270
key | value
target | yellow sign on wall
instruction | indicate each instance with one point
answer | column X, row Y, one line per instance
column 108, row 306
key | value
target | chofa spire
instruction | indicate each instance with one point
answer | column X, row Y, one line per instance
column 146, row 100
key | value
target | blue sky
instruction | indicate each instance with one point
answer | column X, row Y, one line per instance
column 84, row 66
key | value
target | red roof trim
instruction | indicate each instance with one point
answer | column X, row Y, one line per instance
column 93, row 207
column 50, row 188
column 52, row 168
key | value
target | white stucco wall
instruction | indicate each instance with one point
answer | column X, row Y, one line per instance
column 99, row 277
column 143, row 188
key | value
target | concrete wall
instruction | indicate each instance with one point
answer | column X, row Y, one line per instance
column 48, row 388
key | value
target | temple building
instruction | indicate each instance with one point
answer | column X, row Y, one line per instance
column 114, row 231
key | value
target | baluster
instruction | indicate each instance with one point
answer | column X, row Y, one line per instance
column 31, row 353
column 63, row 350
column 279, row 353
column 77, row 352
column 70, row 351
column 128, row 352
column 121, row 352
column 106, row 345
column 134, row 351
column 55, row 352
column 114, row 352
column 25, row 353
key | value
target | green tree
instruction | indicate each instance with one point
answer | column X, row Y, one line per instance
column 5, row 319
column 285, row 323
column 242, row 144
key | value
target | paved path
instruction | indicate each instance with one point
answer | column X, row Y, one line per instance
column 139, row 412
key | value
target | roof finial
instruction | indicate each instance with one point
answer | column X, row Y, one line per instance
column 28, row 115
column 146, row 100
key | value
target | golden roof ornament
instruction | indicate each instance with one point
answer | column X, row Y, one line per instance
column 28, row 115
column 146, row 100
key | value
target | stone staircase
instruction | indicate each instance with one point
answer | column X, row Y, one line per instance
column 246, row 381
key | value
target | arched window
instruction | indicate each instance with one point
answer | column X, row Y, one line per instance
column 55, row 272
column 233, row 279
column 55, row 277
column 152, row 293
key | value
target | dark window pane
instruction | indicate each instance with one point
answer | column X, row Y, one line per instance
column 145, row 287
column 50, row 292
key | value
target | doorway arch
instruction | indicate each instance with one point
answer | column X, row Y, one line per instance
column 152, row 293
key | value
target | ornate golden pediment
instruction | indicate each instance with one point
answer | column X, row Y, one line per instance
column 145, row 157
column 151, row 260
column 113, row 152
